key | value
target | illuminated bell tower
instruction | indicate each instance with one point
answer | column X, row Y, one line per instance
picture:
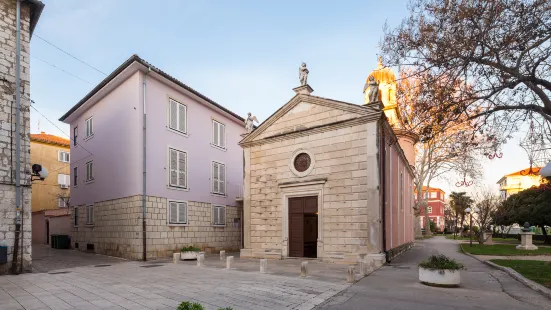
column 387, row 92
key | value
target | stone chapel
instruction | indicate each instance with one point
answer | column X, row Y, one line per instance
column 329, row 179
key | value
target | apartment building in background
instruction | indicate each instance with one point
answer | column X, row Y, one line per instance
column 435, row 209
column 144, row 143
column 518, row 181
column 50, row 197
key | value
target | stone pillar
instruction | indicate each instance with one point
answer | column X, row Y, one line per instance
column 351, row 276
column 526, row 241
column 229, row 262
column 263, row 265
column 176, row 258
column 378, row 259
column 222, row 255
column 200, row 260
column 247, row 251
column 303, row 269
column 363, row 268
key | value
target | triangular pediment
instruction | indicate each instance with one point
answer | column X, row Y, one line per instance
column 305, row 111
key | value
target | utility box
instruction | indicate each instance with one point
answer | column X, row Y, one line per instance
column 3, row 254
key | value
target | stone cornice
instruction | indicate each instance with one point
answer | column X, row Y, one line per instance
column 303, row 183
column 313, row 130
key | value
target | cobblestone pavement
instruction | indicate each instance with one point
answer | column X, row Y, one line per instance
column 46, row 259
column 163, row 285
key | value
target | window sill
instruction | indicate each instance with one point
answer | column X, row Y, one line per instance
column 177, row 188
column 88, row 138
column 177, row 225
column 219, row 147
column 221, row 226
column 184, row 134
column 88, row 182
column 219, row 195
column 89, row 225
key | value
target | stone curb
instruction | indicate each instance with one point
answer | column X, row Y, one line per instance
column 515, row 275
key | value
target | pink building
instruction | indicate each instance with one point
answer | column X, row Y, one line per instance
column 435, row 207
column 146, row 146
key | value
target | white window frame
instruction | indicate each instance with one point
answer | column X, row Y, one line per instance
column 179, row 222
column 66, row 179
column 169, row 169
column 90, row 171
column 63, row 156
column 217, row 208
column 176, row 129
column 89, row 127
column 61, row 203
column 90, row 215
column 433, row 195
column 429, row 210
column 216, row 127
column 217, row 180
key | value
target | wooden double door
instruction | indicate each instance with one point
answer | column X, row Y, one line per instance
column 303, row 226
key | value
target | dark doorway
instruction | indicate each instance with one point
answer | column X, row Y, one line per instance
column 47, row 232
column 303, row 226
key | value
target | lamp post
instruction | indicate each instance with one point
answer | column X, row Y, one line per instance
column 469, row 212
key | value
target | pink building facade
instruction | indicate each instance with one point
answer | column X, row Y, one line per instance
column 183, row 170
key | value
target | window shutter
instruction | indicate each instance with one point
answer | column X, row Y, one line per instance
column 173, row 122
column 215, row 183
column 214, row 215
column 60, row 179
column 173, row 167
column 91, row 126
column 173, row 212
column 182, row 117
column 214, row 132
column 182, row 212
column 222, row 135
column 222, row 178
column 67, row 179
column 222, row 216
column 59, row 156
column 182, row 169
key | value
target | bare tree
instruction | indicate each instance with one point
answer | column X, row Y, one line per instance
column 500, row 49
column 487, row 203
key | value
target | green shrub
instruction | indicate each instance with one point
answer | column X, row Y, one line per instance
column 186, row 305
column 440, row 263
column 190, row 248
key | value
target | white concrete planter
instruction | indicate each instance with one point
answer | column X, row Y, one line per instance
column 449, row 278
column 189, row 255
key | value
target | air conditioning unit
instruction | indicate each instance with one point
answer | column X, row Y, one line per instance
column 64, row 185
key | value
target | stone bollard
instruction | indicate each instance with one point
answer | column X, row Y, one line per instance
column 303, row 269
column 176, row 258
column 200, row 260
column 222, row 255
column 351, row 278
column 263, row 265
column 363, row 268
column 229, row 262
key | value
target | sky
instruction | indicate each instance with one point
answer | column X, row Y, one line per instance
column 242, row 54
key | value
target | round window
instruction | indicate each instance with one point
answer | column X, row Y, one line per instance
column 302, row 162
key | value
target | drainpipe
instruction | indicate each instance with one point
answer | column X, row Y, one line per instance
column 383, row 188
column 17, row 138
column 144, row 227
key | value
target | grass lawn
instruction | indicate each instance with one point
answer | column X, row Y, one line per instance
column 503, row 250
column 535, row 270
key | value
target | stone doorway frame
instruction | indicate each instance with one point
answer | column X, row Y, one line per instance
column 301, row 189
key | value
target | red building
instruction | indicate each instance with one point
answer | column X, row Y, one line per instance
column 435, row 208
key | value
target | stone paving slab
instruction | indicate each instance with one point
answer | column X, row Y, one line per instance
column 128, row 285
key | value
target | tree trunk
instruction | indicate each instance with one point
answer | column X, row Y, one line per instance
column 427, row 220
column 545, row 235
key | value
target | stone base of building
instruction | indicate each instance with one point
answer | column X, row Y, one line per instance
column 328, row 257
column 117, row 229
column 397, row 251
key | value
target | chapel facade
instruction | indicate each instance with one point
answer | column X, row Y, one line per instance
column 329, row 179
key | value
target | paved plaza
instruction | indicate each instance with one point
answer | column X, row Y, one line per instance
column 66, row 279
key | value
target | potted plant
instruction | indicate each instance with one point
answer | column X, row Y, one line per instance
column 189, row 252
column 440, row 270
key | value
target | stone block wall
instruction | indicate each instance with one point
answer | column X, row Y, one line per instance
column 347, row 159
column 117, row 228
column 7, row 131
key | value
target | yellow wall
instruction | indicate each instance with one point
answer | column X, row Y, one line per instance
column 517, row 183
column 45, row 193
